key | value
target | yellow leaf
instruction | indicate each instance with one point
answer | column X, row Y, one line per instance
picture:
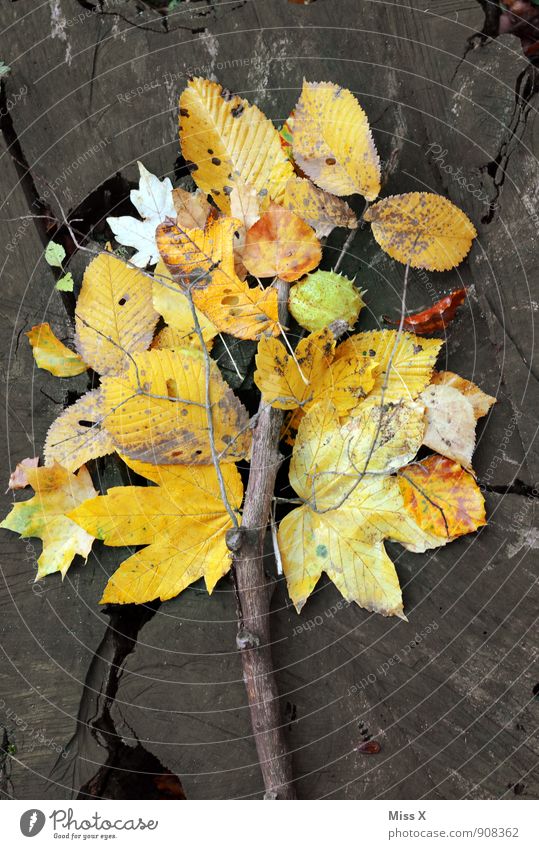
column 224, row 137
column 204, row 261
column 422, row 228
column 442, row 498
column 192, row 208
column 332, row 141
column 281, row 244
column 412, row 361
column 52, row 355
column 156, row 411
column 288, row 382
column 182, row 522
column 45, row 516
column 174, row 306
column 318, row 208
column 78, row 434
column 480, row 401
column 114, row 314
column 450, row 423
column 330, row 458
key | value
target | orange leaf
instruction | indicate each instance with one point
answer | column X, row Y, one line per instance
column 441, row 497
column 281, row 244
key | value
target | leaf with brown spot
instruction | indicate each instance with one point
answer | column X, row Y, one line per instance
column 78, row 434
column 192, row 208
column 423, row 229
column 321, row 210
column 224, row 137
column 281, row 244
column 204, row 261
column 287, row 381
column 450, row 423
column 173, row 304
column 332, row 141
column 442, row 497
column 156, row 411
column 480, row 401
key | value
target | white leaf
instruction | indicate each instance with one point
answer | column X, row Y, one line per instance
column 154, row 201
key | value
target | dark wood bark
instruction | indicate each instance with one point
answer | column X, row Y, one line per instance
column 254, row 638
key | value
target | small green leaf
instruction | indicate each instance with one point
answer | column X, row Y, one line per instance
column 4, row 69
column 55, row 254
column 66, row 283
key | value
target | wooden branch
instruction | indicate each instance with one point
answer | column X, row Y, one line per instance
column 254, row 640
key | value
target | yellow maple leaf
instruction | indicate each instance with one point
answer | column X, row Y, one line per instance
column 353, row 503
column 78, row 434
column 182, row 523
column 174, row 305
column 52, row 355
column 203, row 260
column 332, row 141
column 318, row 208
column 309, row 376
column 412, row 361
column 45, row 516
column 156, row 411
column 281, row 244
column 480, row 401
column 442, row 498
column 423, row 229
column 223, row 136
column 114, row 315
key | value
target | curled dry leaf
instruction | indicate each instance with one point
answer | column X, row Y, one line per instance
column 174, row 305
column 412, row 361
column 114, row 317
column 78, row 434
column 52, row 355
column 480, row 401
column 450, row 423
column 442, row 498
column 156, row 411
column 223, row 137
column 281, row 244
column 245, row 207
column 423, row 229
column 434, row 319
column 182, row 523
column 332, row 141
column 318, row 208
column 320, row 298
column 45, row 516
column 204, row 261
column 19, row 479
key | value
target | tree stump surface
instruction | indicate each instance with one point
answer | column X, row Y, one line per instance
column 451, row 696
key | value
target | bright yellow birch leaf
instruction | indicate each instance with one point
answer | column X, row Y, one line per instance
column 44, row 515
column 321, row 210
column 480, row 401
column 174, row 305
column 422, row 228
column 182, row 523
column 78, row 434
column 224, row 137
column 412, row 361
column 281, row 244
column 287, row 381
column 52, row 355
column 156, row 411
column 114, row 316
column 442, row 497
column 204, row 260
column 450, row 423
column 333, row 143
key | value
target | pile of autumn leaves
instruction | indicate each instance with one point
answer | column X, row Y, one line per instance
column 359, row 409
